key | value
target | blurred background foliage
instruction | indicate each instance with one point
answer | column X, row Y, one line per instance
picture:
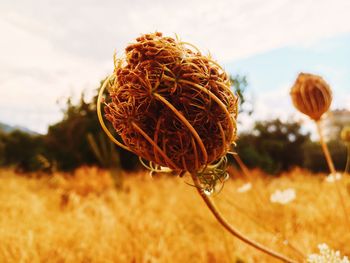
column 77, row 140
column 277, row 146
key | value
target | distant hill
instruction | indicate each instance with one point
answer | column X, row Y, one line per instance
column 8, row 128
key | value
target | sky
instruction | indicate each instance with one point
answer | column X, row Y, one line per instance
column 271, row 74
column 51, row 50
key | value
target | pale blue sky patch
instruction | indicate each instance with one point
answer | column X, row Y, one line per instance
column 271, row 75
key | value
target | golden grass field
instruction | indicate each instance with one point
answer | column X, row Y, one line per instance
column 82, row 218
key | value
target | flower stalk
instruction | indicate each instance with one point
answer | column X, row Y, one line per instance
column 332, row 170
column 173, row 107
column 345, row 136
column 312, row 96
column 219, row 217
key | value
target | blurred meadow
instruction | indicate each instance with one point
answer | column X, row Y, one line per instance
column 81, row 217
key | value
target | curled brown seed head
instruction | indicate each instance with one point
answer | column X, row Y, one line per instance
column 172, row 105
column 311, row 95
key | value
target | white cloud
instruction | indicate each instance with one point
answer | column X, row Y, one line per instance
column 35, row 75
column 229, row 29
column 54, row 48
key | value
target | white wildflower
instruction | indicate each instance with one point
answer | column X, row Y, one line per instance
column 244, row 188
column 283, row 197
column 332, row 178
column 327, row 255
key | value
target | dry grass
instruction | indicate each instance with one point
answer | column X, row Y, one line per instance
column 83, row 219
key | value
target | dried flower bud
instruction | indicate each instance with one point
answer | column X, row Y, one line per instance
column 171, row 105
column 311, row 95
column 345, row 134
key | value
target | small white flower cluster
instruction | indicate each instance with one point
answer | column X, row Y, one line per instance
column 283, row 197
column 327, row 255
column 244, row 188
column 332, row 178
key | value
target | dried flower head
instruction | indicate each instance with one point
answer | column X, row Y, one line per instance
column 311, row 95
column 171, row 105
column 345, row 134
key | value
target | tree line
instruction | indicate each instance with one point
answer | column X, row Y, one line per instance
column 77, row 140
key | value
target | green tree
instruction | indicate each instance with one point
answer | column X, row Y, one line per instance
column 21, row 149
column 2, row 148
column 239, row 85
column 314, row 159
column 67, row 141
column 273, row 145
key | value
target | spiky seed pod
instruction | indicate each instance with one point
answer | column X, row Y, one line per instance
column 172, row 105
column 345, row 134
column 311, row 95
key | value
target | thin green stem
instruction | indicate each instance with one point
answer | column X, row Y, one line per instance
column 219, row 217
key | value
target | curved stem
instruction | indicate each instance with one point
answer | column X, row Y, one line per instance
column 325, row 149
column 347, row 167
column 186, row 123
column 168, row 161
column 258, row 198
column 100, row 117
column 231, row 229
column 243, row 167
column 213, row 97
column 218, row 101
column 332, row 170
column 274, row 232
